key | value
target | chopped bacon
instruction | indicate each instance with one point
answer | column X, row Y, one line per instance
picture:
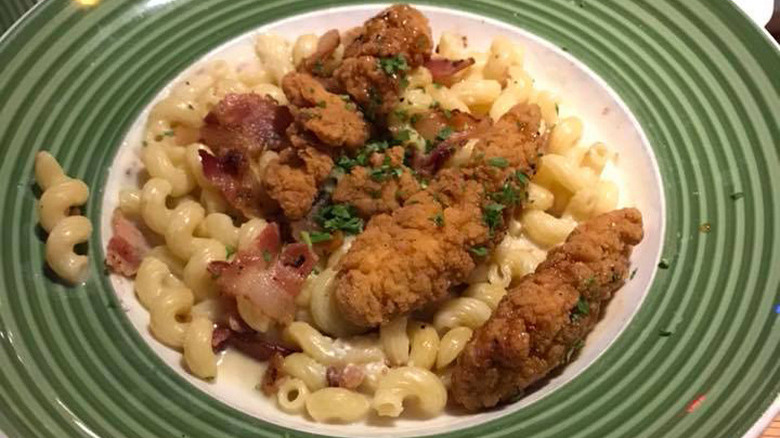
column 459, row 128
column 349, row 376
column 268, row 278
column 326, row 45
column 273, row 374
column 220, row 338
column 248, row 123
column 443, row 69
column 127, row 246
column 231, row 175
column 256, row 346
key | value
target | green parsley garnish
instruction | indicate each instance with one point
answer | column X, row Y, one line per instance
column 521, row 177
column 492, row 216
column 438, row 219
column 663, row 264
column 589, row 282
column 574, row 349
column 633, row 274
column 444, row 133
column 401, row 114
column 581, row 309
column 267, row 255
column 403, row 136
column 447, row 113
column 229, row 251
column 508, row 195
column 322, row 104
column 339, row 217
column 393, row 65
column 319, row 236
column 499, row 162
column 319, row 67
column 415, row 118
column 385, row 171
column 168, row 133
column 479, row 251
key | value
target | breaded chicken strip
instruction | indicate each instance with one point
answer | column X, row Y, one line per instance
column 411, row 258
column 293, row 179
column 539, row 323
column 321, row 116
column 380, row 188
column 379, row 54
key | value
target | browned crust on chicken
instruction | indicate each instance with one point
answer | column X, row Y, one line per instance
column 329, row 118
column 380, row 188
column 539, row 323
column 410, row 258
column 398, row 30
column 293, row 179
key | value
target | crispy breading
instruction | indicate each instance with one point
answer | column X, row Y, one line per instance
column 294, row 178
column 541, row 321
column 332, row 120
column 410, row 258
column 380, row 188
column 397, row 30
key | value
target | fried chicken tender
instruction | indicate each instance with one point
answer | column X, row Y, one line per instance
column 294, row 178
column 539, row 323
column 398, row 30
column 411, row 257
column 327, row 117
column 381, row 188
column 399, row 36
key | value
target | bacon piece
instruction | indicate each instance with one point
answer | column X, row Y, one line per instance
column 220, row 338
column 127, row 246
column 270, row 280
column 349, row 376
column 443, row 69
column 248, row 123
column 256, row 346
column 273, row 374
column 231, row 174
column 458, row 126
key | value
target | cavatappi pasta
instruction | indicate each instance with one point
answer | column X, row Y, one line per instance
column 404, row 362
column 60, row 194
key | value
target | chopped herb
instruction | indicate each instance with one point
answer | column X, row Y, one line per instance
column 589, row 282
column 415, row 118
column 403, row 136
column 168, row 133
column 404, row 82
column 574, row 349
column 145, row 143
column 339, row 217
column 435, row 104
column 345, row 97
column 499, row 162
column 664, row 333
column 267, row 255
column 663, row 264
column 322, row 104
column 444, row 133
column 557, row 110
column 229, row 251
column 521, row 177
column 737, row 195
column 189, row 105
column 633, row 274
column 429, row 145
column 581, row 309
column 306, row 238
column 319, row 67
column 492, row 216
column 479, row 251
column 705, row 227
column 424, row 183
column 401, row 114
column 438, row 219
column 319, row 236
column 385, row 171
column 508, row 195
column 393, row 65
column 437, row 85
column 447, row 113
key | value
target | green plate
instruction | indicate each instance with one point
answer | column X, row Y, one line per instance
column 703, row 82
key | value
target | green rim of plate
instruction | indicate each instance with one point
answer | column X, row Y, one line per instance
column 12, row 10
column 700, row 78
